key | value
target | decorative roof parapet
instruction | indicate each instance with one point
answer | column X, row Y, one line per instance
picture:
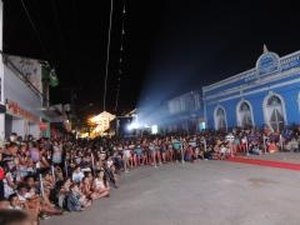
column 267, row 64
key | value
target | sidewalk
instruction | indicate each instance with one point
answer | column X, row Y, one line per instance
column 283, row 160
column 292, row 157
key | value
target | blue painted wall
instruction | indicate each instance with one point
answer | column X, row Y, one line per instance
column 288, row 70
column 289, row 94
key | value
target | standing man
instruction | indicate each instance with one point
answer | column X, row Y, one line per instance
column 230, row 140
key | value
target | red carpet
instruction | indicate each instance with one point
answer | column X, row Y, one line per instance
column 267, row 163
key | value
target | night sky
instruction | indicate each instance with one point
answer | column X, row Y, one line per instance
column 171, row 46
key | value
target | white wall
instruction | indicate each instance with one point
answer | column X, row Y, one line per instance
column 17, row 91
column 34, row 130
column 19, row 127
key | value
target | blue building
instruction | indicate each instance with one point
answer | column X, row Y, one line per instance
column 268, row 94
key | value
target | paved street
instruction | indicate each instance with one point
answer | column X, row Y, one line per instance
column 208, row 192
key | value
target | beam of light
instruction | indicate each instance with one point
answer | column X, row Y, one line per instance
column 133, row 126
column 179, row 63
column 184, row 108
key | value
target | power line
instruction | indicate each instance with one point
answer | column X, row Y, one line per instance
column 123, row 35
column 35, row 29
column 108, row 54
column 117, row 95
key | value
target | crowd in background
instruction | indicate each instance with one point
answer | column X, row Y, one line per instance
column 47, row 177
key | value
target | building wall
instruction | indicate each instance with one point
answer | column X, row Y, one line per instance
column 186, row 103
column 280, row 77
column 18, row 91
column 184, row 113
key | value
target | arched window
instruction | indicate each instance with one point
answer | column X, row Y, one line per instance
column 244, row 114
column 220, row 118
column 274, row 112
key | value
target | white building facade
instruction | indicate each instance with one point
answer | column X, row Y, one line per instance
column 23, row 97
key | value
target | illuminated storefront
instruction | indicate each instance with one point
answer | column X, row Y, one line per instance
column 102, row 122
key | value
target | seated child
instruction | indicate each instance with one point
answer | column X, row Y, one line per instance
column 75, row 201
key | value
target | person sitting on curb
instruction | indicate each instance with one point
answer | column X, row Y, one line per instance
column 75, row 201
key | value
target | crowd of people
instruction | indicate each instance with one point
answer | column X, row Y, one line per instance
column 48, row 177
